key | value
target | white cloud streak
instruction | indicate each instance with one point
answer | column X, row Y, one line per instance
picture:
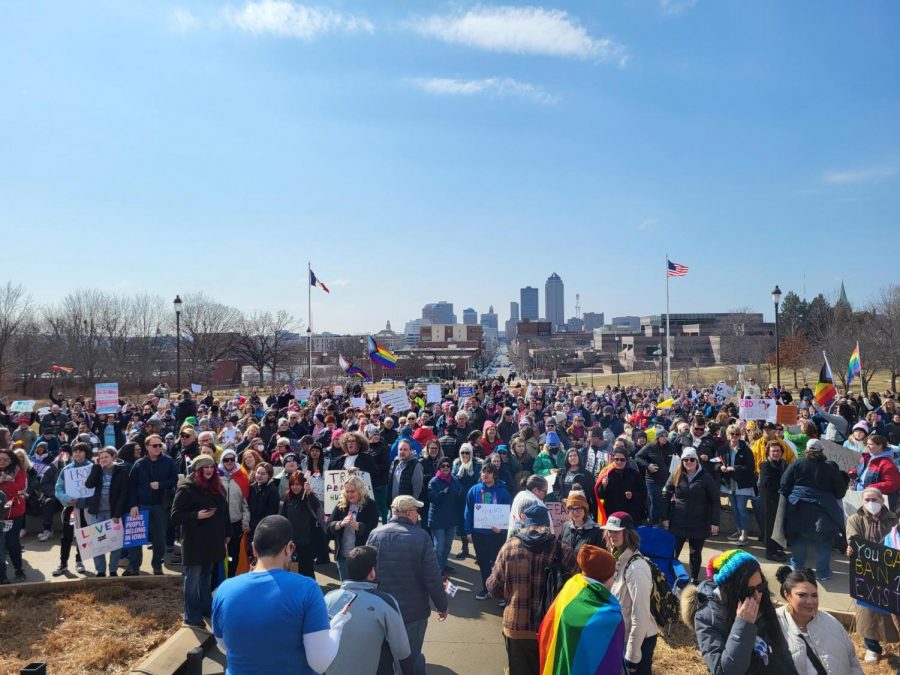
column 675, row 7
column 521, row 30
column 287, row 19
column 504, row 87
column 856, row 176
column 183, row 20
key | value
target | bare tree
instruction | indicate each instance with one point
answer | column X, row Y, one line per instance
column 255, row 341
column 884, row 339
column 28, row 349
column 15, row 308
column 74, row 331
column 211, row 331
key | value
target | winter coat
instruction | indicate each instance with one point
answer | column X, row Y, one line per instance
column 654, row 453
column 367, row 517
column 564, row 485
column 730, row 653
column 444, row 498
column 544, row 463
column 813, row 516
column 118, row 490
column 744, row 474
column 380, row 453
column 203, row 540
column 482, row 494
column 576, row 537
column 304, row 512
column 143, row 472
column 407, row 568
column 869, row 622
column 363, row 462
column 828, row 639
column 632, row 586
column 879, row 472
column 11, row 491
column 263, row 502
column 238, row 509
column 617, row 484
column 693, row 506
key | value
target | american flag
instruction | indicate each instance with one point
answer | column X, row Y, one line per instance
column 676, row 270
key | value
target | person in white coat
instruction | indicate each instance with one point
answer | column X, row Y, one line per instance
column 818, row 642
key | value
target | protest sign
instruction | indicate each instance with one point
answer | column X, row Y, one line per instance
column 722, row 392
column 302, row 394
column 43, row 411
column 317, row 484
column 22, row 406
column 845, row 458
column 162, row 405
column 396, row 398
column 488, row 516
column 528, row 390
column 107, row 536
column 786, row 415
column 334, row 481
column 875, row 574
column 196, row 388
column 358, row 402
column 107, row 398
column 75, row 477
column 137, row 530
column 757, row 409
column 466, row 392
column 338, row 390
column 557, row 512
column 741, row 369
column 434, row 393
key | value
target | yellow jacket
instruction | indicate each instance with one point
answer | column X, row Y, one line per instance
column 759, row 452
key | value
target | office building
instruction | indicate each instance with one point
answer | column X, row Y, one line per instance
column 555, row 303
column 439, row 313
column 470, row 316
column 528, row 297
column 592, row 320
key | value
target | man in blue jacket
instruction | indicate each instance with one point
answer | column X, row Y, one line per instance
column 487, row 541
column 150, row 486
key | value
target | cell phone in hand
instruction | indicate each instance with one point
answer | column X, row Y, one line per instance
column 339, row 602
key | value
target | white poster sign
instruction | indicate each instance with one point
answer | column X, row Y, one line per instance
column 741, row 369
column 107, row 398
column 358, row 402
column 196, row 388
column 758, row 409
column 488, row 516
column 396, row 398
column 302, row 394
column 722, row 392
column 338, row 390
column 334, row 481
column 434, row 393
column 162, row 405
column 22, row 406
column 845, row 458
column 75, row 478
column 99, row 538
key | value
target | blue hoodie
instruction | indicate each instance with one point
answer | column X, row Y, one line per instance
column 482, row 494
column 406, row 435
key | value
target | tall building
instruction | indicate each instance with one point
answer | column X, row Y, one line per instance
column 439, row 313
column 411, row 332
column 489, row 320
column 528, row 297
column 514, row 310
column 593, row 320
column 470, row 316
column 555, row 302
column 490, row 328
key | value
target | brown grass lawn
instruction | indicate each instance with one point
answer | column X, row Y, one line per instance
column 107, row 629
column 678, row 655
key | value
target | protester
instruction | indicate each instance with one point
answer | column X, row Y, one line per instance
column 444, row 494
column 236, row 490
column 574, row 476
column 877, row 469
column 407, row 475
column 734, row 619
column 580, row 528
column 151, row 483
column 817, row 641
column 109, row 481
column 272, row 621
column 551, row 457
column 467, row 468
column 407, row 569
column 487, row 541
column 352, row 520
column 264, row 499
column 769, row 484
column 738, row 481
column 583, row 631
column 517, row 580
column 304, row 511
column 13, row 483
column 622, row 488
column 73, row 510
column 380, row 452
column 654, row 461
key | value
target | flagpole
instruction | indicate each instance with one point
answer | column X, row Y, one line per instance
column 668, row 355
column 309, row 333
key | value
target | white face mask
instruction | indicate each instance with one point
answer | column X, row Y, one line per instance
column 873, row 507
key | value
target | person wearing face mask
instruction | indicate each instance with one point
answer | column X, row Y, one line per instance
column 872, row 521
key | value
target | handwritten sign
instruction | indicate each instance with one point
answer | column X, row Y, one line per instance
column 757, row 409
column 786, row 415
column 107, row 536
column 162, row 405
column 74, row 481
column 875, row 575
column 107, row 398
column 487, row 516
column 396, row 398
column 845, row 458
column 433, row 393
column 302, row 394
column 196, row 388
column 317, row 484
column 22, row 406
column 358, row 402
column 334, row 481
column 558, row 516
column 338, row 390
column 722, row 392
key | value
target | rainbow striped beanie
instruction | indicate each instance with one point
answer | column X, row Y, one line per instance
column 721, row 567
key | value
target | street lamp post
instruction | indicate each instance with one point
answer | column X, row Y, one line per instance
column 776, row 298
column 617, row 364
column 177, row 305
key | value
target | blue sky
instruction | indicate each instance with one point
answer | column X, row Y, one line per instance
column 418, row 151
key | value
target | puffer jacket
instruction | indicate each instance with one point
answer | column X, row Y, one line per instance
column 632, row 584
column 729, row 653
column 828, row 639
column 576, row 537
column 695, row 507
column 238, row 510
column 407, row 568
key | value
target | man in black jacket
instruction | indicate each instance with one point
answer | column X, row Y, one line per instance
column 150, row 486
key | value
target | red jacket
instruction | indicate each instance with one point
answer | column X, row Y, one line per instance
column 11, row 491
column 887, row 477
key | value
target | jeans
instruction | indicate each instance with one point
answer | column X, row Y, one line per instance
column 68, row 535
column 443, row 540
column 100, row 560
column 739, row 508
column 12, row 544
column 415, row 631
column 159, row 520
column 342, row 568
column 487, row 546
column 657, row 503
column 197, row 592
column 802, row 544
column 380, row 495
column 696, row 549
column 645, row 667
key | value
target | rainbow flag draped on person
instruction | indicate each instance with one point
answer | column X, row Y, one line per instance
column 381, row 354
column 825, row 392
column 583, row 632
column 854, row 368
column 601, row 509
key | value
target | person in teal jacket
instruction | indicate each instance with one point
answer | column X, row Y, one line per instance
column 487, row 542
column 551, row 457
column 80, row 452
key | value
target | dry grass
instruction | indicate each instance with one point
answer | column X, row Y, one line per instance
column 107, row 629
column 678, row 655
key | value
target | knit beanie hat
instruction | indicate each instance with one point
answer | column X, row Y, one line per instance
column 201, row 461
column 577, row 499
column 596, row 563
column 536, row 514
column 722, row 566
column 553, row 439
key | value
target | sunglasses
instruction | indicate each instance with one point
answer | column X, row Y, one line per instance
column 230, row 460
column 186, row 435
column 689, row 459
column 155, row 445
column 761, row 587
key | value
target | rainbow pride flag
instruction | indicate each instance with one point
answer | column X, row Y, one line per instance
column 601, row 508
column 583, row 632
column 825, row 392
column 854, row 368
column 381, row 354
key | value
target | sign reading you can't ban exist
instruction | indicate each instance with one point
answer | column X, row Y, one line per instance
column 875, row 574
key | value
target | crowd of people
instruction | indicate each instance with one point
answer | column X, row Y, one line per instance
column 235, row 490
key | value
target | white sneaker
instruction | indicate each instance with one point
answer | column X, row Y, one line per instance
column 742, row 541
column 872, row 657
column 45, row 535
column 734, row 535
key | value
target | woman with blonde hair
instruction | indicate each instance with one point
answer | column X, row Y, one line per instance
column 354, row 517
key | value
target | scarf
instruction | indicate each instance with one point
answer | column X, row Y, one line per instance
column 447, row 479
column 465, row 469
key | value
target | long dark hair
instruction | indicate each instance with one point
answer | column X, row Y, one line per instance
column 732, row 592
column 297, row 478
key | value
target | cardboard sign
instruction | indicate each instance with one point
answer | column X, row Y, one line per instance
column 196, row 388
column 302, row 394
column 108, row 536
column 396, row 398
column 338, row 390
column 107, row 398
column 358, row 402
column 433, row 393
column 845, row 458
column 162, row 405
column 786, row 415
column 334, row 481
column 74, row 481
column 722, row 392
column 757, row 409
column 22, row 406
column 488, row 516
column 875, row 574
column 558, row 515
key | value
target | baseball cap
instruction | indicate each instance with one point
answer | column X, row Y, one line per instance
column 405, row 503
column 618, row 521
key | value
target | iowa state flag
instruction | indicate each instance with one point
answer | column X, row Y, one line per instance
column 825, row 391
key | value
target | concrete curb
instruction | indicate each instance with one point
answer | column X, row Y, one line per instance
column 44, row 587
column 171, row 655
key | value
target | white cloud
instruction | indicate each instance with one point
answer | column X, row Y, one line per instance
column 521, row 30
column 673, row 7
column 338, row 282
column 502, row 87
column 853, row 176
column 287, row 19
column 647, row 223
column 183, row 20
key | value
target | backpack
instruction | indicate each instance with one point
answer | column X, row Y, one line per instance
column 664, row 605
column 555, row 577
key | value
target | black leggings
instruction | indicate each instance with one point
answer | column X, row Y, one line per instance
column 234, row 547
column 68, row 535
column 696, row 548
